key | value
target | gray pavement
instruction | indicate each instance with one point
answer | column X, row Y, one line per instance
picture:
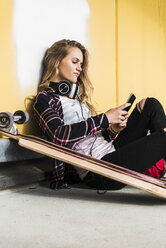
column 37, row 216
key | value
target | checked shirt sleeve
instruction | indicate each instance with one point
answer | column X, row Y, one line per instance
column 49, row 113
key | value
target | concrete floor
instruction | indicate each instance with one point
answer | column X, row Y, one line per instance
column 79, row 218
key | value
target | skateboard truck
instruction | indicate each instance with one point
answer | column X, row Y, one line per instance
column 8, row 120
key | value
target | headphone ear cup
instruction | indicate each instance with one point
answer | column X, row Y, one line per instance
column 63, row 88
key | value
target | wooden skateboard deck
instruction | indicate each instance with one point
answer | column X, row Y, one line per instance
column 118, row 173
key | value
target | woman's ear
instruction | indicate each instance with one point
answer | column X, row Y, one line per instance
column 57, row 71
column 57, row 68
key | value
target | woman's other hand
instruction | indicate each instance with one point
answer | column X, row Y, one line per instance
column 117, row 128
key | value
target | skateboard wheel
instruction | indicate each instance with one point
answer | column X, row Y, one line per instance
column 6, row 119
column 21, row 117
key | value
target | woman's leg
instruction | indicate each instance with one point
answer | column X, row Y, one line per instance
column 141, row 154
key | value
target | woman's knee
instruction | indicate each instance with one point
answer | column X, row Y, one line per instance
column 149, row 101
column 141, row 104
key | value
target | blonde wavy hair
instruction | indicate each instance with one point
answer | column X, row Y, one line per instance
column 53, row 57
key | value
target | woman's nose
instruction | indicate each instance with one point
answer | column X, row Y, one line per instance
column 79, row 68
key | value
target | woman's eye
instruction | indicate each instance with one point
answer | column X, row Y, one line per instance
column 74, row 62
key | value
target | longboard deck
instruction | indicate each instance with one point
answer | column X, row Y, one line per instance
column 118, row 173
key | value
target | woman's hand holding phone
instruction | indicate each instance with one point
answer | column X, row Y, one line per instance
column 117, row 117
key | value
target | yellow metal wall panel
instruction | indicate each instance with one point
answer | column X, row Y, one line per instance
column 102, row 48
column 141, row 48
column 9, row 93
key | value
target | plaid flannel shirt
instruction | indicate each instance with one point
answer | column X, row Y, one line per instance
column 49, row 114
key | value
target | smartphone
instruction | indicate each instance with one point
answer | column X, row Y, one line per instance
column 131, row 99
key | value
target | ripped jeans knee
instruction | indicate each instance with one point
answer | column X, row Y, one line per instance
column 141, row 104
